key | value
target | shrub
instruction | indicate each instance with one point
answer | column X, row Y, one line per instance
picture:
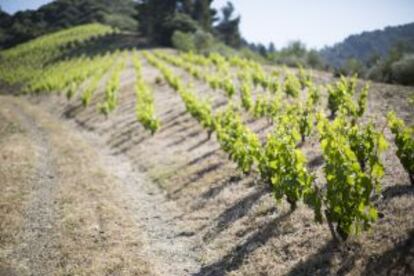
column 350, row 68
column 249, row 54
column 183, row 41
column 376, row 73
column 402, row 71
column 180, row 22
column 121, row 22
column 203, row 40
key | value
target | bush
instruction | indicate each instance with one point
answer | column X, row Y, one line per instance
column 121, row 22
column 402, row 71
column 203, row 40
column 183, row 41
column 200, row 42
column 181, row 22
column 376, row 73
column 314, row 60
column 350, row 68
column 220, row 48
column 249, row 54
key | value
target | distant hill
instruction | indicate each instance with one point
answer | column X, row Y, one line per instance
column 61, row 14
column 367, row 45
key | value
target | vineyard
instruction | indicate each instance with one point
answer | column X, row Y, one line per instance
column 213, row 132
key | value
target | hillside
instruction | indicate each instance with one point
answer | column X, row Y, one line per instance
column 128, row 161
column 60, row 14
column 366, row 45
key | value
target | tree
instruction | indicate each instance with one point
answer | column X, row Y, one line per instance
column 203, row 14
column 228, row 28
column 296, row 48
column 159, row 19
column 403, row 70
column 262, row 50
column 314, row 60
column 187, row 6
column 351, row 67
column 153, row 15
column 271, row 48
column 4, row 19
column 57, row 15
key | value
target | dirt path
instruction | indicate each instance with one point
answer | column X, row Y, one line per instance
column 171, row 248
column 36, row 239
column 45, row 239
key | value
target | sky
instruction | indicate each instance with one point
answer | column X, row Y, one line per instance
column 11, row 6
column 317, row 23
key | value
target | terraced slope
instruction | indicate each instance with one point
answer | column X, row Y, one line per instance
column 191, row 209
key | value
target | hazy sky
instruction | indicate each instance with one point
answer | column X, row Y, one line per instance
column 315, row 22
column 11, row 6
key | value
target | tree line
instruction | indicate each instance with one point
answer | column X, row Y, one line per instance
column 160, row 19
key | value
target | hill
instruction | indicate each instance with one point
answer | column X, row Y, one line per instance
column 369, row 45
column 123, row 161
column 61, row 14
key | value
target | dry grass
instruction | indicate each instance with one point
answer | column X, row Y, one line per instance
column 93, row 233
column 16, row 167
column 97, row 236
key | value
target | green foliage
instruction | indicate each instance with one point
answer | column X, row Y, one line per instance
column 183, row 41
column 314, row 95
column 340, row 97
column 349, row 189
column 351, row 67
column 314, row 60
column 296, row 55
column 305, row 122
column 181, row 22
column 121, row 22
column 362, row 101
column 292, row 85
column 338, row 93
column 94, row 82
column 261, row 106
column 282, row 165
column 200, row 110
column 242, row 145
column 203, row 41
column 352, row 151
column 220, row 80
column 144, row 101
column 267, row 106
column 168, row 74
column 111, row 91
column 34, row 61
column 228, row 86
column 404, row 140
column 246, row 95
column 402, row 71
column 259, row 77
column 383, row 56
column 63, row 14
column 159, row 20
column 363, row 47
column 228, row 27
column 368, row 144
column 153, row 16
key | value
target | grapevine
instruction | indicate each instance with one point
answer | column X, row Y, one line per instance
column 404, row 140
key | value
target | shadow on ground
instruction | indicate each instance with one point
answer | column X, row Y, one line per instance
column 234, row 259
